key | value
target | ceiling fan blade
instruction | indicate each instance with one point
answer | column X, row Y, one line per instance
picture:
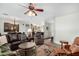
column 40, row 10
column 26, row 12
column 34, row 13
column 22, row 5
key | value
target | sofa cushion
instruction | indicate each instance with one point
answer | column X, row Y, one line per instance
column 74, row 48
column 76, row 41
column 12, row 37
column 22, row 36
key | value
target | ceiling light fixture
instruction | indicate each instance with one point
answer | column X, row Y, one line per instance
column 31, row 13
column 32, row 9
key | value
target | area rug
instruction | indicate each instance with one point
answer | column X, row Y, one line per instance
column 46, row 49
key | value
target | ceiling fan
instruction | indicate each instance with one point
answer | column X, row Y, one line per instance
column 32, row 9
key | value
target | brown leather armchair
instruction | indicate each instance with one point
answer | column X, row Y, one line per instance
column 72, row 50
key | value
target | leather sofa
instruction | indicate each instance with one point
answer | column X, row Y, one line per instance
column 72, row 50
column 67, row 50
column 14, row 39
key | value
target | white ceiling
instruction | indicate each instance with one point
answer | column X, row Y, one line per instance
column 50, row 10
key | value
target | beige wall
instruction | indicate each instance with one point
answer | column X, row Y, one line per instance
column 67, row 27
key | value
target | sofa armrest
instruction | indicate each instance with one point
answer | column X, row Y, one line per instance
column 15, row 43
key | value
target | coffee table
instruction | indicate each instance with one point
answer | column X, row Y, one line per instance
column 27, row 46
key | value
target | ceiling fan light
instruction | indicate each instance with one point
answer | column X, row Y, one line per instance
column 30, row 13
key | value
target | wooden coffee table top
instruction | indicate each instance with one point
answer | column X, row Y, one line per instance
column 27, row 45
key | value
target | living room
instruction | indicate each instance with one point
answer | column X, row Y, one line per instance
column 46, row 32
